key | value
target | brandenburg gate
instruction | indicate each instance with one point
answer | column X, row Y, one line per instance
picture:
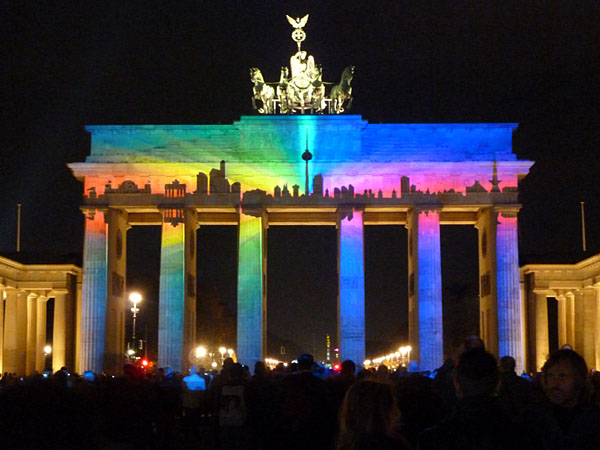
column 300, row 163
column 251, row 174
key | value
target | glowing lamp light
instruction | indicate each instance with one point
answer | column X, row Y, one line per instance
column 145, row 362
column 201, row 352
column 130, row 352
column 222, row 350
column 367, row 362
column 47, row 349
column 230, row 352
column 214, row 364
column 135, row 297
column 337, row 367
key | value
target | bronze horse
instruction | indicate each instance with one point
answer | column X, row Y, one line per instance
column 261, row 91
column 342, row 91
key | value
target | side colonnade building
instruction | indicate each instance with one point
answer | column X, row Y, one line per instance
column 570, row 295
column 298, row 170
column 25, row 329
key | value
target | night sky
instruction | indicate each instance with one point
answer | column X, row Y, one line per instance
column 68, row 64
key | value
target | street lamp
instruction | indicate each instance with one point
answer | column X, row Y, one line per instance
column 200, row 352
column 135, row 298
column 47, row 352
column 222, row 351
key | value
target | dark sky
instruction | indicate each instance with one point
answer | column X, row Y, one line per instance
column 68, row 64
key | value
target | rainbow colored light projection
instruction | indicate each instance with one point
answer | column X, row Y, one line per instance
column 171, row 296
column 94, row 292
column 358, row 162
column 429, row 271
column 352, row 289
column 509, row 291
column 250, row 290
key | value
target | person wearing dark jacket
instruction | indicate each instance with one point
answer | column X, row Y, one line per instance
column 479, row 420
column 566, row 418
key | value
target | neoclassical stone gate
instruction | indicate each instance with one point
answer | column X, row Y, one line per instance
column 251, row 174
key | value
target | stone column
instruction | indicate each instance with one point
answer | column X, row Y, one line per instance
column 426, row 284
column 488, row 307
column 189, row 332
column 563, row 337
column 579, row 316
column 78, row 366
column 351, row 328
column 171, row 294
column 597, row 342
column 590, row 327
column 413, row 299
column 9, row 363
column 21, row 332
column 510, row 318
column 59, row 331
column 30, row 360
column 542, row 346
column 252, row 271
column 40, row 335
column 570, row 319
column 114, row 349
column 2, row 293
column 94, row 290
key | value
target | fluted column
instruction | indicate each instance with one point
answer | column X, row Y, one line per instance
column 189, row 333
column 510, row 318
column 352, row 288
column 589, row 327
column 251, row 315
column 171, row 295
column 597, row 341
column 488, row 307
column 570, row 319
column 9, row 363
column 41, row 304
column 541, row 329
column 31, row 333
column 114, row 346
column 22, row 319
column 77, row 364
column 563, row 337
column 426, row 282
column 579, row 317
column 59, row 331
column 94, row 290
column 2, row 293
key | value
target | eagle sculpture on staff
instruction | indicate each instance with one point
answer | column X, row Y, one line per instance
column 298, row 22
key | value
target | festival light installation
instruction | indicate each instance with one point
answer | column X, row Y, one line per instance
column 255, row 164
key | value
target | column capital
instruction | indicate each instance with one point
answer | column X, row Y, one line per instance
column 90, row 212
column 191, row 212
column 418, row 209
column 54, row 292
column 508, row 211
column 120, row 212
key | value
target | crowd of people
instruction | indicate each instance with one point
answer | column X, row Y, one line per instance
column 473, row 401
